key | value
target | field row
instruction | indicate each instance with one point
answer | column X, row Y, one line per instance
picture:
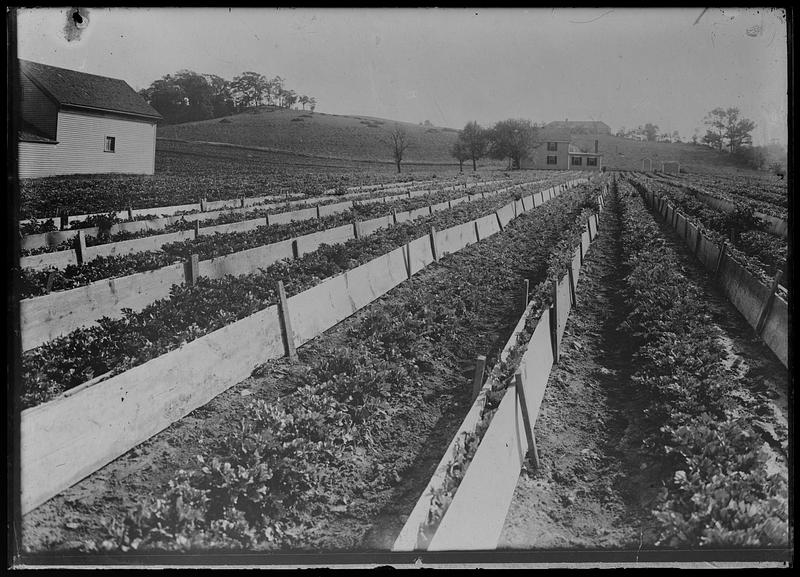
column 762, row 252
column 719, row 489
column 363, row 400
column 204, row 305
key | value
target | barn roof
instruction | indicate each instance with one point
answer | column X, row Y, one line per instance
column 91, row 91
column 572, row 125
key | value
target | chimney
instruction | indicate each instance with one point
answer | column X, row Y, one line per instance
column 595, row 146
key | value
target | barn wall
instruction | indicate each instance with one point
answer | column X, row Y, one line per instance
column 81, row 139
column 37, row 108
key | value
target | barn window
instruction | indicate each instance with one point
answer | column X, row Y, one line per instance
column 552, row 146
column 110, row 144
column 591, row 161
column 577, row 160
column 552, row 160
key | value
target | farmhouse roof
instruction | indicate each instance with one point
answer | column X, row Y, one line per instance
column 89, row 91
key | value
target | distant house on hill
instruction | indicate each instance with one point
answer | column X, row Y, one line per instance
column 78, row 123
column 579, row 127
column 556, row 150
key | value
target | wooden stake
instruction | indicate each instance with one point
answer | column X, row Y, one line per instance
column 356, row 229
column 499, row 221
column 762, row 318
column 192, row 268
column 477, row 379
column 241, row 199
column 533, row 451
column 554, row 322
column 394, row 216
column 196, row 228
column 434, row 248
column 407, row 258
column 477, row 232
column 572, row 286
column 80, row 247
column 718, row 266
column 202, row 205
column 698, row 238
column 130, row 213
column 286, row 323
column 527, row 291
column 589, row 229
column 317, row 211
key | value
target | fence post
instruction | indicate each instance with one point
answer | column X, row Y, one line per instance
column 80, row 247
column 718, row 266
column 477, row 379
column 527, row 292
column 572, row 286
column 526, row 420
column 762, row 318
column 434, row 248
column 286, row 323
column 554, row 322
column 192, row 269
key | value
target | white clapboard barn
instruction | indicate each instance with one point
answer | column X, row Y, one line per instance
column 78, row 123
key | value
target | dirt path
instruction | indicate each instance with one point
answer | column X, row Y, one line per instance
column 594, row 489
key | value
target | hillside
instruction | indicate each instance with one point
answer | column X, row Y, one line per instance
column 318, row 134
column 624, row 154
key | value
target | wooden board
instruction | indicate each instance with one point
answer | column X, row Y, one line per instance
column 47, row 317
column 744, row 291
column 319, row 308
column 593, row 225
column 416, row 193
column 34, row 241
column 708, row 253
column 477, row 513
column 246, row 261
column 459, row 200
column 420, row 253
column 776, row 330
column 67, row 439
column 440, row 206
column 487, row 226
column 416, row 213
column 241, row 226
column 59, row 259
column 367, row 227
column 311, row 242
column 146, row 243
column 564, row 306
column 455, row 238
column 506, row 214
column 576, row 265
column 329, row 209
column 284, row 217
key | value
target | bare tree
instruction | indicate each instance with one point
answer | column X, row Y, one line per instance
column 399, row 141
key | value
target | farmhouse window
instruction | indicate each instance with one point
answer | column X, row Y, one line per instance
column 552, row 160
column 552, row 146
column 577, row 160
column 591, row 162
column 110, row 144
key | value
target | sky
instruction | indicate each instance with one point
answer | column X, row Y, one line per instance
column 626, row 67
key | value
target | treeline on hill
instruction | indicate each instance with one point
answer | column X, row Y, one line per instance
column 511, row 139
column 187, row 96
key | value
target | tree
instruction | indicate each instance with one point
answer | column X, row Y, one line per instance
column 651, row 131
column 512, row 139
column 399, row 142
column 303, row 100
column 676, row 137
column 460, row 152
column 727, row 129
column 475, row 140
column 181, row 97
column 221, row 99
column 249, row 89
column 312, row 103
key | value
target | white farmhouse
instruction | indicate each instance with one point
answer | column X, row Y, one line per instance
column 78, row 123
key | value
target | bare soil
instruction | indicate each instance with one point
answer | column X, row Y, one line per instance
column 596, row 487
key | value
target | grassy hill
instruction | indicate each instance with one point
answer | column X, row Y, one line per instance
column 318, row 135
column 624, row 154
